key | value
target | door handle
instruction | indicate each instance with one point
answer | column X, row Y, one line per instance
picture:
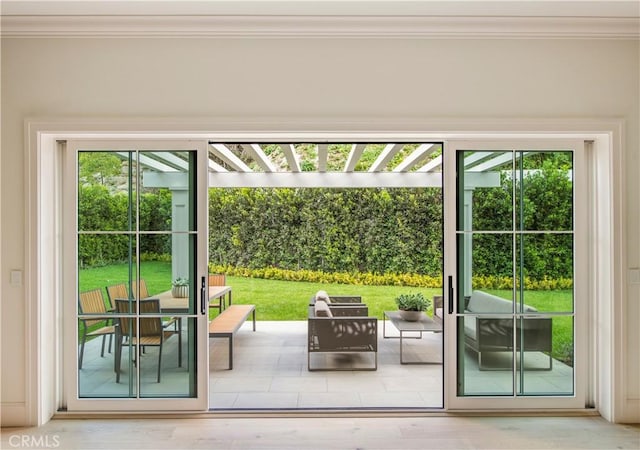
column 450, row 282
column 203, row 297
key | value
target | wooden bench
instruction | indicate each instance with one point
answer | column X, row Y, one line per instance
column 228, row 322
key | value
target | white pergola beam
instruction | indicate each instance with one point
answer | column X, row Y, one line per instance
column 383, row 158
column 354, row 157
column 260, row 157
column 473, row 180
column 420, row 152
column 170, row 180
column 290, row 153
column 325, row 179
column 323, row 155
column 223, row 152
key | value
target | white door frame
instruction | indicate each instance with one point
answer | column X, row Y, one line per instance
column 582, row 293
column 42, row 249
column 70, row 279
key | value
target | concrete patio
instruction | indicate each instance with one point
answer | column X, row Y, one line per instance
column 270, row 372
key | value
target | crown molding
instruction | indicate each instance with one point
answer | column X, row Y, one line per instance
column 486, row 8
column 321, row 26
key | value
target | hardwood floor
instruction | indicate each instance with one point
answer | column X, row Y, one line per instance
column 233, row 428
column 222, row 433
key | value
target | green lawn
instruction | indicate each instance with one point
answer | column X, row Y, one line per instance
column 274, row 300
column 156, row 274
column 289, row 300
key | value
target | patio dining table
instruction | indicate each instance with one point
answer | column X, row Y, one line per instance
column 180, row 305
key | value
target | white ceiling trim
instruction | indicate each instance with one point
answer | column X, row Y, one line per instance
column 510, row 8
column 321, row 26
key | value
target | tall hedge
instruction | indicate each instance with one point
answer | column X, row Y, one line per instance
column 376, row 231
column 331, row 230
column 103, row 209
column 544, row 202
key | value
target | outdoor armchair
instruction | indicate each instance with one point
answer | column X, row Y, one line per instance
column 341, row 329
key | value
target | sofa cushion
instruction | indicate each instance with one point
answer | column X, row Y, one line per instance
column 481, row 302
column 322, row 309
column 322, row 295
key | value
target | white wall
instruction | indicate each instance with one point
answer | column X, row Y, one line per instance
column 311, row 78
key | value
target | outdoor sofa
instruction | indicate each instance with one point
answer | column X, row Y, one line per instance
column 486, row 333
column 334, row 300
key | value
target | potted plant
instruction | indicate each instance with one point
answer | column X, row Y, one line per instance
column 411, row 305
column 180, row 287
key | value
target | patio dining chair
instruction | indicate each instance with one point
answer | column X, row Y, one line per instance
column 92, row 302
column 121, row 291
column 152, row 333
column 117, row 291
column 217, row 279
column 144, row 292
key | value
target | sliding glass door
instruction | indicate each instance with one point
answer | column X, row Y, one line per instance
column 516, row 296
column 135, row 262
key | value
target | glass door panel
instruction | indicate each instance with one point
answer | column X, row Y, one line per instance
column 138, row 260
column 515, row 260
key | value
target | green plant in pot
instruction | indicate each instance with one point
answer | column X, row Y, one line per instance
column 411, row 305
column 180, row 287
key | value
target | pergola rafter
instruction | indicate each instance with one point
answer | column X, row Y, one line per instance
column 493, row 163
column 428, row 167
column 477, row 162
column 422, row 151
column 476, row 158
column 168, row 158
column 215, row 167
column 149, row 163
column 260, row 157
column 292, row 158
column 387, row 155
column 224, row 153
column 354, row 157
column 323, row 155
